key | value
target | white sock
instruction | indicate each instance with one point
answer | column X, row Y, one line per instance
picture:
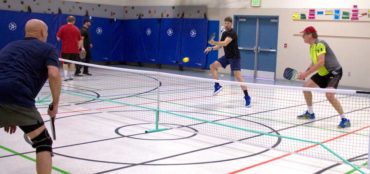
column 310, row 109
column 65, row 74
column 70, row 74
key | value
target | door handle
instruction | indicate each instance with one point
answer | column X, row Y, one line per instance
column 248, row 49
column 267, row 50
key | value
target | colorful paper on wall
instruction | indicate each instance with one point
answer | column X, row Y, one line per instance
column 355, row 13
column 303, row 16
column 345, row 15
column 296, row 16
column 328, row 12
column 363, row 14
column 337, row 14
column 311, row 14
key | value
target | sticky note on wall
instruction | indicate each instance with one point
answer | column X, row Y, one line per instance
column 345, row 15
column 303, row 16
column 328, row 12
column 311, row 14
column 296, row 16
column 336, row 14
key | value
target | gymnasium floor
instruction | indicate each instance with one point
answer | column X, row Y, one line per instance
column 103, row 118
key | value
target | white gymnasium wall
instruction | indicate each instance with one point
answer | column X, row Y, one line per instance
column 352, row 52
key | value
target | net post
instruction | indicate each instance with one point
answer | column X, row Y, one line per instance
column 158, row 107
column 368, row 153
column 157, row 113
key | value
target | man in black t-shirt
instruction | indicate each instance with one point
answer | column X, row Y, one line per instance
column 87, row 45
column 229, row 41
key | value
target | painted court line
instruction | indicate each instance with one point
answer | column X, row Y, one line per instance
column 57, row 169
column 242, row 129
column 297, row 151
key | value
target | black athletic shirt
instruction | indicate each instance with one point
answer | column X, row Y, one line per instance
column 231, row 50
column 85, row 34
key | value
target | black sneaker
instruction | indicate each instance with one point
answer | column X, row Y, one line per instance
column 88, row 74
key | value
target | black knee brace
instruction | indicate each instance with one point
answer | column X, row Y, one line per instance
column 42, row 142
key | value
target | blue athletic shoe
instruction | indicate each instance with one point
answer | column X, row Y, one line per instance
column 307, row 116
column 344, row 123
column 218, row 89
column 247, row 101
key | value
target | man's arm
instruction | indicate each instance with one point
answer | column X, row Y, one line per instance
column 82, row 35
column 209, row 49
column 59, row 34
column 81, row 43
column 313, row 68
column 224, row 43
column 55, row 87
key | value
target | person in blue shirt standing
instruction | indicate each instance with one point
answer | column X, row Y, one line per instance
column 25, row 65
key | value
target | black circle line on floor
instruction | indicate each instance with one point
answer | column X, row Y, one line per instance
column 193, row 151
column 147, row 162
column 214, row 146
column 195, row 131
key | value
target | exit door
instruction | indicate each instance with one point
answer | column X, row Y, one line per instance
column 257, row 36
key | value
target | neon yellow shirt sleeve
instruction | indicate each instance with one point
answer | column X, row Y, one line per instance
column 320, row 49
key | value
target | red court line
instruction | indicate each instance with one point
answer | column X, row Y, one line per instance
column 297, row 151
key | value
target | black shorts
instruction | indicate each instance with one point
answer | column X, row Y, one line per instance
column 234, row 63
column 19, row 115
column 71, row 56
column 329, row 81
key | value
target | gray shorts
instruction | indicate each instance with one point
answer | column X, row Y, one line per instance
column 11, row 115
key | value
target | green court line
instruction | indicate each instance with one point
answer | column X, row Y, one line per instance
column 353, row 170
column 234, row 114
column 321, row 128
column 225, row 125
column 44, row 98
column 57, row 169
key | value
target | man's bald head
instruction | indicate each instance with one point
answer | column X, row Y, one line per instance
column 71, row 19
column 36, row 28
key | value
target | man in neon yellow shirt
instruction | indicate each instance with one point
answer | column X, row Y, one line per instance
column 329, row 73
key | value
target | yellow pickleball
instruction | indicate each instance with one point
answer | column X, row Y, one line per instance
column 185, row 59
